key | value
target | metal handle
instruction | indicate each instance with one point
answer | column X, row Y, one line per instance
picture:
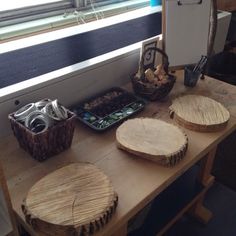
column 190, row 3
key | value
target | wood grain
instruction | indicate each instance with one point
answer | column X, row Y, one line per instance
column 199, row 113
column 226, row 5
column 153, row 139
column 136, row 180
column 3, row 186
column 77, row 199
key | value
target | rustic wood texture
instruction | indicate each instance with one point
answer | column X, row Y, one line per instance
column 43, row 145
column 136, row 180
column 7, row 199
column 199, row 113
column 226, row 5
column 152, row 139
column 187, row 209
column 77, row 199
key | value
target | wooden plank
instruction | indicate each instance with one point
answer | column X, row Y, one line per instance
column 206, row 167
column 76, row 199
column 146, row 179
column 165, row 143
column 185, row 209
column 198, row 210
column 5, row 224
column 199, row 113
column 226, row 5
column 9, row 222
column 122, row 231
column 201, row 213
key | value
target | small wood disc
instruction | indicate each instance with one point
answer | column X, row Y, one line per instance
column 199, row 113
column 75, row 200
column 152, row 139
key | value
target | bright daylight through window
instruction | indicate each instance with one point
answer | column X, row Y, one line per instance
column 17, row 11
column 14, row 4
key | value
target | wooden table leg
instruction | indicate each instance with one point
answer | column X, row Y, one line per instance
column 7, row 200
column 205, row 177
column 122, row 231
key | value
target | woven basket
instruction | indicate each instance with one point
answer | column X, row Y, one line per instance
column 146, row 89
column 43, row 145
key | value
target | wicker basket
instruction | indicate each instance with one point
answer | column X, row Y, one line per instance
column 146, row 89
column 41, row 146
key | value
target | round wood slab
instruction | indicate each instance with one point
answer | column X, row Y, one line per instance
column 152, row 139
column 199, row 113
column 75, row 200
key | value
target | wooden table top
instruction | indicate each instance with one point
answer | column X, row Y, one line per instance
column 137, row 181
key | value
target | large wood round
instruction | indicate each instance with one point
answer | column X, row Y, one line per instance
column 199, row 113
column 152, row 139
column 75, row 200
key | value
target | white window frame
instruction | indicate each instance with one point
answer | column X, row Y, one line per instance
column 44, row 80
column 26, row 14
column 19, row 15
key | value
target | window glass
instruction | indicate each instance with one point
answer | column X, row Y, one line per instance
column 57, row 13
column 15, row 4
column 18, row 9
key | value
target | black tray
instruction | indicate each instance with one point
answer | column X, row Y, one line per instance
column 108, row 108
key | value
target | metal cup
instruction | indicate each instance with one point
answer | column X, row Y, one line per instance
column 191, row 77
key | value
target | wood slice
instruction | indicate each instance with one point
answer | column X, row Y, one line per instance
column 152, row 139
column 75, row 200
column 199, row 113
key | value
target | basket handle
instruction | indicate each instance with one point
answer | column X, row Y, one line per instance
column 171, row 112
column 165, row 60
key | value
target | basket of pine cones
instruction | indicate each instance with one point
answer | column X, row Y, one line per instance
column 150, row 82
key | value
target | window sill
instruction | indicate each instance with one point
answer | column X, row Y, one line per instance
column 56, row 76
column 77, row 81
column 70, row 18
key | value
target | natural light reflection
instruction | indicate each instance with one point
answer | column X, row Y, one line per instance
column 13, row 4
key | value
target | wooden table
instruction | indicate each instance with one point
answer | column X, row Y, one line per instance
column 226, row 5
column 7, row 220
column 136, row 180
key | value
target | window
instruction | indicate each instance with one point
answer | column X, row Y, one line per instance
column 35, row 58
column 18, row 11
column 14, row 4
